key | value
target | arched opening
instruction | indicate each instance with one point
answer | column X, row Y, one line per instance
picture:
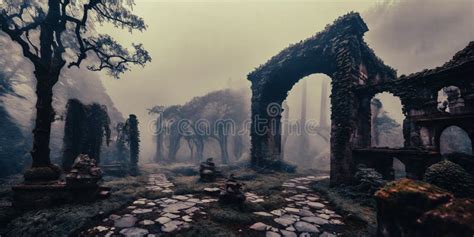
column 306, row 123
column 399, row 170
column 449, row 99
column 454, row 139
column 386, row 121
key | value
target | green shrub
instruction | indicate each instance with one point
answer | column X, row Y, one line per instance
column 451, row 177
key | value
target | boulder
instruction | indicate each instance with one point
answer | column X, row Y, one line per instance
column 401, row 203
column 451, row 219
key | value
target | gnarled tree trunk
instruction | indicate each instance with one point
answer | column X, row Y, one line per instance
column 42, row 168
column 199, row 149
column 223, row 145
column 175, row 139
column 159, row 147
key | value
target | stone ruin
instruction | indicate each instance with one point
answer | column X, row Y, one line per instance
column 84, row 173
column 83, row 179
column 232, row 194
column 208, row 171
column 357, row 74
column 81, row 185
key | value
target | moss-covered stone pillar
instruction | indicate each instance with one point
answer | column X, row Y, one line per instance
column 265, row 133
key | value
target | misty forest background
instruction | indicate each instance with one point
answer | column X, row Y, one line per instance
column 406, row 45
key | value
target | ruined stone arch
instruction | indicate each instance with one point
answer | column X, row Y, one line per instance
column 399, row 168
column 460, row 128
column 339, row 52
column 449, row 99
column 380, row 99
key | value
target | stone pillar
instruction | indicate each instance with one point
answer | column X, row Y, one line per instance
column 375, row 107
column 265, row 134
column 345, row 124
column 365, row 124
column 285, row 129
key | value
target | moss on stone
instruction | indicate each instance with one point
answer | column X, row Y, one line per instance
column 411, row 197
column 455, row 219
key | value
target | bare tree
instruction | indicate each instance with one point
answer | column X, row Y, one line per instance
column 55, row 33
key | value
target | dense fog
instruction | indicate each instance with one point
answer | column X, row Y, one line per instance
column 185, row 66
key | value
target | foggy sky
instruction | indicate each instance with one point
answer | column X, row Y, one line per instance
column 201, row 46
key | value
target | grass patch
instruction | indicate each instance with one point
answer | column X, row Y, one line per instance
column 208, row 228
column 361, row 220
column 229, row 215
column 70, row 219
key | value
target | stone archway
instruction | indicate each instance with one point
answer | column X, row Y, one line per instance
column 339, row 52
column 453, row 139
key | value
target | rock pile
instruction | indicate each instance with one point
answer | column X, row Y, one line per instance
column 232, row 193
column 84, row 173
column 207, row 170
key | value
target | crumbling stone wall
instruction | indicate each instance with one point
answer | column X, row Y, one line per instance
column 339, row 52
column 424, row 121
column 357, row 75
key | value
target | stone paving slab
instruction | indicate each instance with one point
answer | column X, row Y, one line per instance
column 146, row 217
column 305, row 213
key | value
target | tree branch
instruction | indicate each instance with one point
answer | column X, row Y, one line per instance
column 113, row 56
column 119, row 16
column 15, row 35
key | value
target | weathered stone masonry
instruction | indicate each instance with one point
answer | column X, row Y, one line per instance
column 357, row 75
column 339, row 52
column 424, row 122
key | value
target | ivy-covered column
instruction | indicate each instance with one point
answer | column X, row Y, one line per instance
column 344, row 111
column 265, row 132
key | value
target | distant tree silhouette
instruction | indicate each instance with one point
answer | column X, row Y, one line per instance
column 159, row 155
column 222, row 112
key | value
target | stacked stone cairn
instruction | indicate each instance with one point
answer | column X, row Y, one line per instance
column 84, row 175
column 207, row 170
column 232, row 193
